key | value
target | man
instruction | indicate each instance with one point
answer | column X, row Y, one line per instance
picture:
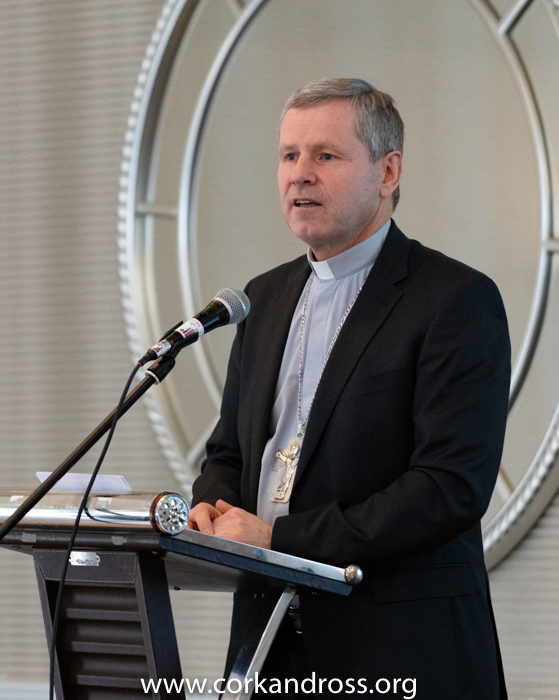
column 363, row 417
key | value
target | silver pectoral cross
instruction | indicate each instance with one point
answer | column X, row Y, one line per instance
column 285, row 463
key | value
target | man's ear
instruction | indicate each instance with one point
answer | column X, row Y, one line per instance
column 392, row 164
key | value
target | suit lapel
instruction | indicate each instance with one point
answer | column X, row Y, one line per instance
column 267, row 362
column 375, row 302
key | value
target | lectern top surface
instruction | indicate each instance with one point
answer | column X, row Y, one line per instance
column 193, row 560
column 259, row 554
column 196, row 559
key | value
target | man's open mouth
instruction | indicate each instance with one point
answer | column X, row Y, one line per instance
column 306, row 203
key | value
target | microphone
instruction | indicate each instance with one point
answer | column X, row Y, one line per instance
column 228, row 306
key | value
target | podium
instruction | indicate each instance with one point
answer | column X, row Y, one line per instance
column 116, row 625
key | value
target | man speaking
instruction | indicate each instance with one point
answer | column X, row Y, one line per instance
column 363, row 418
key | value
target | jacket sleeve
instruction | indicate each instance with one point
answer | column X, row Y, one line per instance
column 221, row 470
column 459, row 415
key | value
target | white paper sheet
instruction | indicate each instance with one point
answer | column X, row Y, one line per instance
column 77, row 483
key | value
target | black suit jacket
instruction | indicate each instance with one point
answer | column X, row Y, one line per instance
column 399, row 460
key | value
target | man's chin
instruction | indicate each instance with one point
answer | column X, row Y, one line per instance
column 311, row 235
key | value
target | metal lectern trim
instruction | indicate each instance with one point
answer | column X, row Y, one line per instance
column 257, row 644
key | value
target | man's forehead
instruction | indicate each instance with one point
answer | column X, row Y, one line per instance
column 339, row 107
column 327, row 123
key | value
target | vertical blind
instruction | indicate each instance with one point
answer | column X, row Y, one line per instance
column 67, row 76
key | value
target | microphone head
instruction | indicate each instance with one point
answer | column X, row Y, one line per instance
column 237, row 303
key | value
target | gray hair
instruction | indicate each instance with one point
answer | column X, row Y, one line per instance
column 378, row 124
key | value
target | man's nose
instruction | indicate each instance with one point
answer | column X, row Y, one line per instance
column 304, row 171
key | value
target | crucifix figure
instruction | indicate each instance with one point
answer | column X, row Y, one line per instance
column 286, row 463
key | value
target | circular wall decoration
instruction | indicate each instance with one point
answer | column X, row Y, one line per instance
column 475, row 83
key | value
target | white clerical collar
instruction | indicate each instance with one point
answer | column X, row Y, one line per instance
column 352, row 260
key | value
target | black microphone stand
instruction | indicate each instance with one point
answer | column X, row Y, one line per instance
column 154, row 375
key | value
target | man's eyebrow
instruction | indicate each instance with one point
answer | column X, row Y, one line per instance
column 326, row 146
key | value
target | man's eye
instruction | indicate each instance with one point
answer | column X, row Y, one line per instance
column 327, row 156
column 289, row 156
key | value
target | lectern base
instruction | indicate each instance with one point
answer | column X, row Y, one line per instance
column 116, row 624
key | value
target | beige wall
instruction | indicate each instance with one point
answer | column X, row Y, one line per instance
column 67, row 76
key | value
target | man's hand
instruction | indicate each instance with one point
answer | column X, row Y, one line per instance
column 225, row 520
column 201, row 518
column 240, row 525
